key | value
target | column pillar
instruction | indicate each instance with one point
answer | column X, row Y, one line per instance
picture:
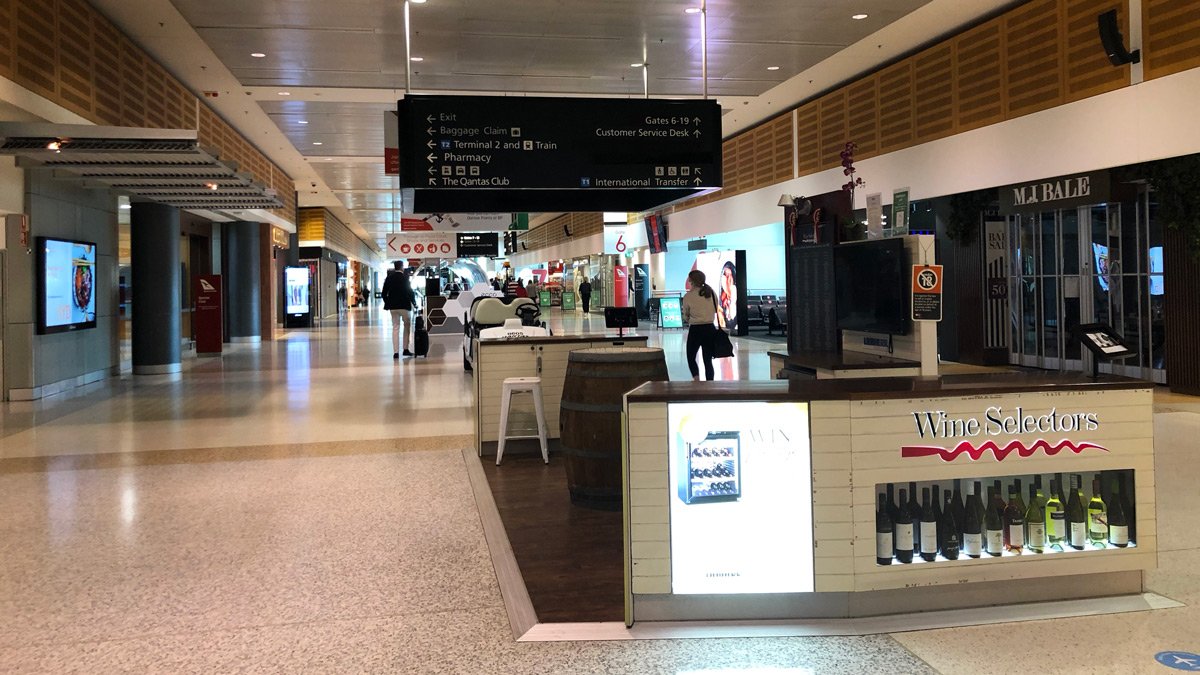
column 242, row 283
column 156, row 278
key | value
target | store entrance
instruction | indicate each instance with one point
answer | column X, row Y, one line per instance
column 1098, row 263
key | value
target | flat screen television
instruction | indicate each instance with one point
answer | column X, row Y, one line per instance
column 66, row 285
column 871, row 286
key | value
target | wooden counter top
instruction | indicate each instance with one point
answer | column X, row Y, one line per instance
column 559, row 339
column 876, row 388
column 843, row 360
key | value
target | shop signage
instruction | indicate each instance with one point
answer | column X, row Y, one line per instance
column 508, row 143
column 1056, row 193
column 422, row 245
column 927, row 293
column 995, row 421
column 520, row 221
column 544, row 298
column 391, row 143
column 622, row 239
column 568, row 300
column 280, row 237
column 995, row 234
column 669, row 313
column 461, row 222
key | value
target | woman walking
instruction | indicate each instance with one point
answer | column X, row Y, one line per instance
column 699, row 308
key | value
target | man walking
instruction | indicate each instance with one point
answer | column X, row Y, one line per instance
column 585, row 295
column 398, row 301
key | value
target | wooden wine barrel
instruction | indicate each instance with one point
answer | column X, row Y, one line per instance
column 590, row 417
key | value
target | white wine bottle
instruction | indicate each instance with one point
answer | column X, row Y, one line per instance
column 1118, row 525
column 1097, row 516
column 1035, row 522
column 1056, row 517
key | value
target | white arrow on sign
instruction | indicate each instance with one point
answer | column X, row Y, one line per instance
column 433, row 181
column 698, row 181
column 431, row 157
column 697, row 133
column 430, row 144
column 429, row 131
column 696, row 121
column 430, row 119
column 432, row 171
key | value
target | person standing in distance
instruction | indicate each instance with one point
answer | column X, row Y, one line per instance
column 699, row 309
column 398, row 301
column 585, row 295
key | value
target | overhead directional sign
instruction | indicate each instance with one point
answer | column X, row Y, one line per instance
column 531, row 143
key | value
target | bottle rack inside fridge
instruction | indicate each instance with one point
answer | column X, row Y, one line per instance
column 710, row 471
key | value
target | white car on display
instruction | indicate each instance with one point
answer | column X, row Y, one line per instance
column 490, row 312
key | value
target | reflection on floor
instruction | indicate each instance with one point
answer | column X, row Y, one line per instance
column 303, row 506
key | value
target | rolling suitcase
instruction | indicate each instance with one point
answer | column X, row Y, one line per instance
column 420, row 337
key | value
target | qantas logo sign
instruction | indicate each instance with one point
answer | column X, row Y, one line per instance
column 1000, row 452
column 995, row 421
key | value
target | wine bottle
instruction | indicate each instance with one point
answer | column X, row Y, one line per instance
column 996, row 500
column 893, row 511
column 1014, row 520
column 1127, row 503
column 948, row 530
column 972, row 541
column 1035, row 521
column 1118, row 526
column 937, row 513
column 960, row 509
column 993, row 527
column 1076, row 518
column 883, row 533
column 929, row 539
column 1056, row 517
column 914, row 508
column 903, row 536
column 1097, row 515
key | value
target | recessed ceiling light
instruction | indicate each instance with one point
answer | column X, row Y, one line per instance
column 418, row 59
column 318, row 143
column 692, row 10
column 258, row 55
column 285, row 93
column 772, row 67
column 859, row 17
column 418, row 2
column 301, row 121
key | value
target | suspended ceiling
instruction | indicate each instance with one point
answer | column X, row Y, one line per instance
column 342, row 64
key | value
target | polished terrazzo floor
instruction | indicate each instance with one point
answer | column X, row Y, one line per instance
column 303, row 506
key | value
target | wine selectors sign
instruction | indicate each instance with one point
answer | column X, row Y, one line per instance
column 489, row 143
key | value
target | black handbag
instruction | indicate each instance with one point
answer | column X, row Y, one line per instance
column 722, row 346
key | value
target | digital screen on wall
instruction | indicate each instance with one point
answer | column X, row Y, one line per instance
column 296, row 288
column 1157, row 285
column 670, row 315
column 741, row 498
column 66, row 285
column 720, row 272
column 485, row 244
column 871, row 284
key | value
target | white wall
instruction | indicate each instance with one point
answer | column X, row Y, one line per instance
column 1144, row 122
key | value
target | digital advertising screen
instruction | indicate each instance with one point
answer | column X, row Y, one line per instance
column 720, row 272
column 67, row 285
column 296, row 290
column 741, row 501
column 669, row 313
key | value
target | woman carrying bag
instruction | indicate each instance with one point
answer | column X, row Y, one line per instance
column 699, row 309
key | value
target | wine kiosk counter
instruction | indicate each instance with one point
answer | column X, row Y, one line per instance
column 781, row 500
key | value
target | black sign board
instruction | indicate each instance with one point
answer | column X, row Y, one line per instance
column 488, row 144
column 478, row 244
column 697, row 244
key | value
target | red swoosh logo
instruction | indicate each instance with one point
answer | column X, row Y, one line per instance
column 968, row 449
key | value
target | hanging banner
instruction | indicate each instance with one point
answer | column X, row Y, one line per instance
column 460, row 222
column 422, row 245
column 391, row 143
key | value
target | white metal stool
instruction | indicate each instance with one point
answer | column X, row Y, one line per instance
column 522, row 385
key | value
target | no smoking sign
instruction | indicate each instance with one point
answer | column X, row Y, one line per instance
column 927, row 293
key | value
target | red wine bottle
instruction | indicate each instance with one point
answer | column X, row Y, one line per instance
column 904, row 531
column 972, row 543
column 948, row 530
column 928, row 534
column 884, row 548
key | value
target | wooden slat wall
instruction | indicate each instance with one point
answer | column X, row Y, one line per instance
column 552, row 234
column 310, row 225
column 1170, row 36
column 1036, row 56
column 1182, row 320
column 69, row 53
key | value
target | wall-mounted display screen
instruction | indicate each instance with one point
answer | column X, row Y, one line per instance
column 720, row 272
column 741, row 499
column 475, row 244
column 66, row 285
column 871, row 282
column 296, row 288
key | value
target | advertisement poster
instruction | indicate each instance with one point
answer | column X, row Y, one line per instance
column 720, row 272
column 296, row 289
column 741, row 507
column 422, row 245
column 69, row 284
column 568, row 300
column 462, row 222
column 669, row 314
column 900, row 212
column 620, row 286
column 874, row 216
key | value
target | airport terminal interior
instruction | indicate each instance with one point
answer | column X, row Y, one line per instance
column 355, row 337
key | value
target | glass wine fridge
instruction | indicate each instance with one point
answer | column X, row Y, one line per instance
column 710, row 471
